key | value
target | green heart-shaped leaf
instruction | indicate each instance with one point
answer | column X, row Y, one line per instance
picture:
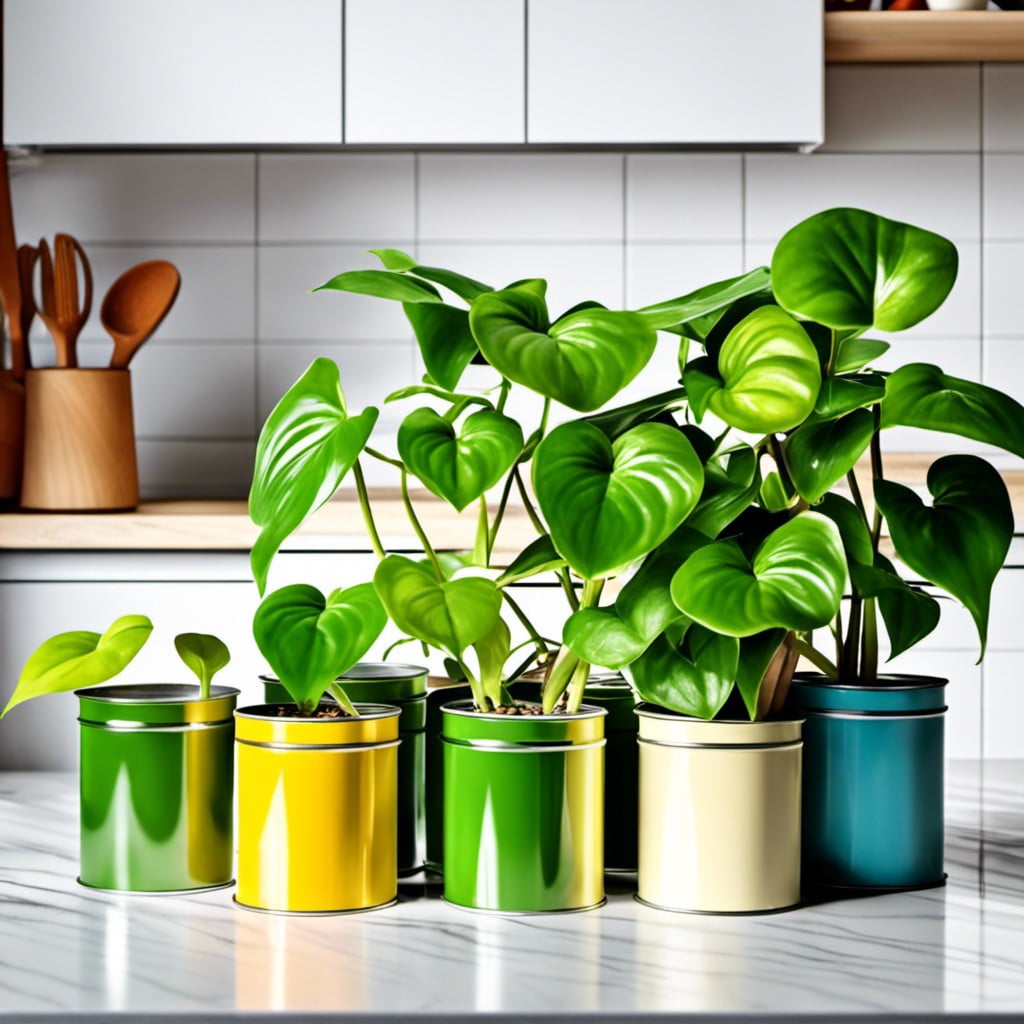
column 852, row 528
column 445, row 340
column 818, row 455
column 705, row 301
column 613, row 422
column 757, row 658
column 581, row 361
column 452, row 615
column 610, row 503
column 730, row 484
column 306, row 447
column 795, row 580
column 841, row 395
column 908, row 612
column 959, row 543
column 694, row 679
column 855, row 353
column 204, row 654
column 459, row 467
column 382, row 284
column 615, row 637
column 80, row 658
column 850, row 270
column 537, row 557
column 768, row 371
column 309, row 640
column 921, row 395
column 465, row 287
column 492, row 651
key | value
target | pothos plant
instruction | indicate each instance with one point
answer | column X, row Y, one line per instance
column 81, row 658
column 731, row 547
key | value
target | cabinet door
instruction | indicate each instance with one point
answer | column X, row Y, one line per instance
column 434, row 71
column 202, row 72
column 675, row 71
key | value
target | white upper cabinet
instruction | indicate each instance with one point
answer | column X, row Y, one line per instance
column 172, row 72
column 714, row 72
column 434, row 71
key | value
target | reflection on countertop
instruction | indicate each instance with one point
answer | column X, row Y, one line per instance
column 68, row 950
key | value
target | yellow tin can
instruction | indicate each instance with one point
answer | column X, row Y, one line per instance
column 719, row 814
column 317, row 810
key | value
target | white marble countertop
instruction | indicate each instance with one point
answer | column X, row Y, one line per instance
column 65, row 950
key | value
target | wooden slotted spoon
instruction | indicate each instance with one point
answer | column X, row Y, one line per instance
column 136, row 304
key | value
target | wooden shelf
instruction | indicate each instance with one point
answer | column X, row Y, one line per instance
column 856, row 37
column 225, row 525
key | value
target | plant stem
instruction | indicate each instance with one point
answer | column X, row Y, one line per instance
column 561, row 673
column 428, row 550
column 858, row 499
column 851, row 646
column 482, row 547
column 578, row 680
column 342, row 698
column 535, row 519
column 506, row 387
column 364, row 506
column 869, row 650
column 876, row 473
column 500, row 514
column 545, row 413
column 397, row 643
column 816, row 658
column 381, row 457
column 538, row 640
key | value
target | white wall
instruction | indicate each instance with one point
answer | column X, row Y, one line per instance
column 940, row 146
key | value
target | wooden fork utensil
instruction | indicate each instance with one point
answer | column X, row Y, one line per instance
column 59, row 307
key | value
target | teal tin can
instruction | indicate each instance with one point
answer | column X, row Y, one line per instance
column 873, row 782
column 524, row 810
column 404, row 687
column 156, row 787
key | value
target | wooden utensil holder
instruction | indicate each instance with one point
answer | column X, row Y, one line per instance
column 12, row 435
column 79, row 441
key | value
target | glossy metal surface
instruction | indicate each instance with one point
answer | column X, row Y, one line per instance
column 873, row 782
column 156, row 787
column 523, row 822
column 719, row 814
column 405, row 687
column 317, row 810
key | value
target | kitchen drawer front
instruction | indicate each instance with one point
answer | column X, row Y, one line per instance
column 434, row 72
column 191, row 72
column 670, row 71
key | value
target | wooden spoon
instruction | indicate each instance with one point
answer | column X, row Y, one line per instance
column 27, row 256
column 47, row 307
column 136, row 304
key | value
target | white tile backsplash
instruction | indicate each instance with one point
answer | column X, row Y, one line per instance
column 520, row 197
column 879, row 108
column 253, row 235
column 940, row 192
column 289, row 309
column 1003, row 112
column 161, row 198
column 674, row 197
column 336, row 197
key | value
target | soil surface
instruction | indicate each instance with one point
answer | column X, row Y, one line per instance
column 522, row 709
column 323, row 711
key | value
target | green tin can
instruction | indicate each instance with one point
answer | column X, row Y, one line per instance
column 610, row 691
column 405, row 687
column 434, row 800
column 523, row 810
column 156, row 787
column 873, row 782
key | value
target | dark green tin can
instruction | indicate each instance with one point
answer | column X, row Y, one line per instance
column 405, row 687
column 523, row 810
column 156, row 787
column 873, row 782
column 610, row 691
column 434, row 801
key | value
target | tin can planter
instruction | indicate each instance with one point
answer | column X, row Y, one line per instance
column 873, row 788
column 156, row 787
column 610, row 691
column 404, row 687
column 523, row 810
column 317, row 814
column 434, row 797
column 719, row 814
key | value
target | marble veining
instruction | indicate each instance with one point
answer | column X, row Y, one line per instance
column 960, row 949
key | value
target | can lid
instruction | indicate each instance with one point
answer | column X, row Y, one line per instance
column 260, row 723
column 155, row 703
column 895, row 692
column 659, row 725
column 463, row 723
